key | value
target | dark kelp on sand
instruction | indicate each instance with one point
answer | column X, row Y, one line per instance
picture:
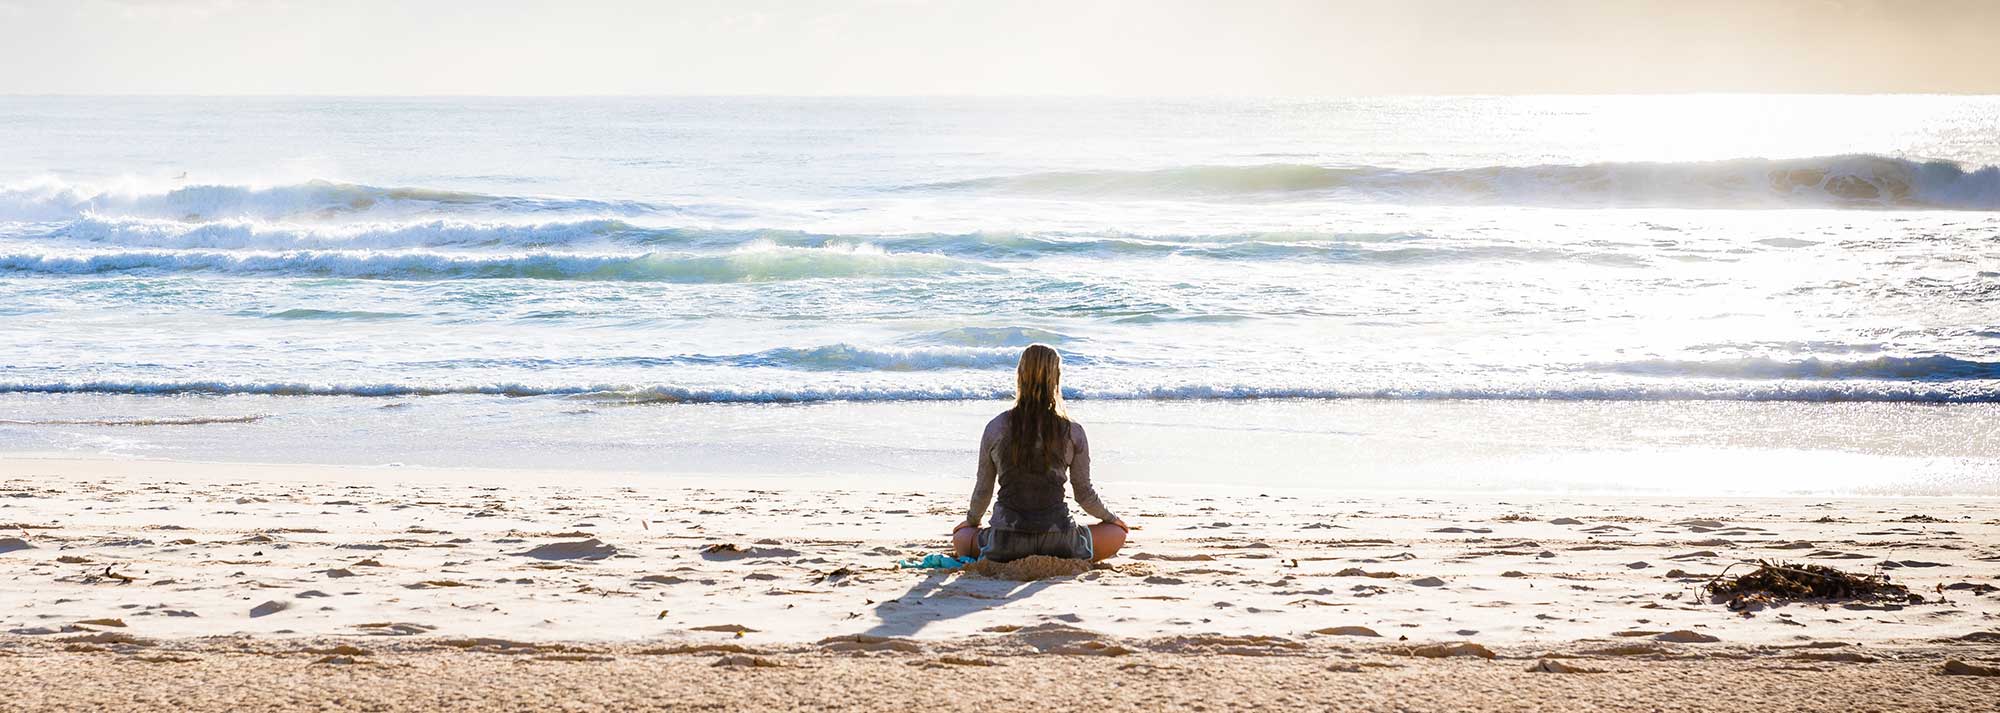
column 1780, row 582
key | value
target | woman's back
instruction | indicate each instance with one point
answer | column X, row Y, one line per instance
column 1032, row 491
column 1031, row 498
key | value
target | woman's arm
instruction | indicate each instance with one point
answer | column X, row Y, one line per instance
column 1079, row 476
column 982, row 486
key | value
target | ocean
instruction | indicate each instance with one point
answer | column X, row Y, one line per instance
column 1479, row 292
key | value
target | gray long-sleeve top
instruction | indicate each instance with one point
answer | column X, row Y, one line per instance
column 1078, row 465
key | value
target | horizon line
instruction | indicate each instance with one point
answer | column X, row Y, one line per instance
column 1265, row 97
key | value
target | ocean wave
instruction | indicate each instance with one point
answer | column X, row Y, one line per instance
column 843, row 357
column 830, row 357
column 517, row 233
column 54, row 200
column 994, row 337
column 239, row 234
column 1358, row 248
column 187, row 421
column 328, row 314
column 1710, row 390
column 1850, row 181
column 1934, row 367
column 757, row 264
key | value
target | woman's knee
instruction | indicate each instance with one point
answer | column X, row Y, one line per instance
column 965, row 542
column 1105, row 539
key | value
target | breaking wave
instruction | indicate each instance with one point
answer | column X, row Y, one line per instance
column 99, row 235
column 52, row 200
column 1850, row 181
column 831, row 357
column 1925, row 368
column 762, row 264
column 765, row 390
column 585, row 232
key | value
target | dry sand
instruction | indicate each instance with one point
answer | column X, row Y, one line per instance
column 130, row 585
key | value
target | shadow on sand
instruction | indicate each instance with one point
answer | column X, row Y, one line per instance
column 942, row 595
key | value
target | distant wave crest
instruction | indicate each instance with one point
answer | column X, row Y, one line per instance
column 99, row 234
column 1849, row 181
column 829, row 357
column 770, row 263
column 584, row 232
column 54, row 200
column 1934, row 367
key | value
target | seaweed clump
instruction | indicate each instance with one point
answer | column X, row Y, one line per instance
column 1780, row 582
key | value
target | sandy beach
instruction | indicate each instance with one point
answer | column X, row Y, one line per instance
column 407, row 589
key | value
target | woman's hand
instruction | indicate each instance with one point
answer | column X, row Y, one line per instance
column 1119, row 522
column 964, row 525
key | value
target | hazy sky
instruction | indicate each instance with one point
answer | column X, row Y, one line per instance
column 1075, row 47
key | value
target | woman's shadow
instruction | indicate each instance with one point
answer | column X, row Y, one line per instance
column 947, row 594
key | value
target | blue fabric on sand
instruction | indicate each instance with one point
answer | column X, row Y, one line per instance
column 937, row 561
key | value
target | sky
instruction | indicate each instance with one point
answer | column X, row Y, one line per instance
column 997, row 47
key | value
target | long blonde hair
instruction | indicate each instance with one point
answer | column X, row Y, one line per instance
column 1038, row 426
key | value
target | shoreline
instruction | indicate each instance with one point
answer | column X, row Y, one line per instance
column 1506, row 449
column 72, row 466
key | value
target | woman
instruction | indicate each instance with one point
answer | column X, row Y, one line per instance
column 1030, row 451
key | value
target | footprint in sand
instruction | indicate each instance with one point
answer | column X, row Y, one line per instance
column 1554, row 666
column 1358, row 572
column 1451, row 650
column 590, row 549
column 746, row 661
column 1347, row 631
column 1955, row 667
column 1684, row 636
column 723, row 552
column 726, row 628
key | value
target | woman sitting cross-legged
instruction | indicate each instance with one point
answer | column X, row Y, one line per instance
column 1030, row 451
